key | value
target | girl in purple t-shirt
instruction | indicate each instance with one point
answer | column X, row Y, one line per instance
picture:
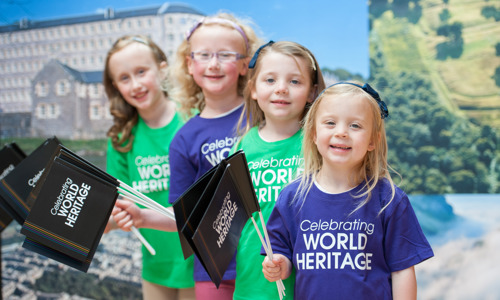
column 208, row 76
column 344, row 227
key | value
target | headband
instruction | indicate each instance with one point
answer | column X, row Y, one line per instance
column 139, row 40
column 384, row 111
column 253, row 61
column 215, row 20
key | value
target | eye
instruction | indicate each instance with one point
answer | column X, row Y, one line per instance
column 330, row 123
column 226, row 55
column 204, row 55
column 123, row 78
column 294, row 81
column 356, row 126
column 269, row 80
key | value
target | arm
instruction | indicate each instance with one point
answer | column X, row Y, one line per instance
column 404, row 284
column 279, row 268
column 126, row 214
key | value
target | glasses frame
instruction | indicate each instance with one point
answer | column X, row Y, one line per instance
column 237, row 55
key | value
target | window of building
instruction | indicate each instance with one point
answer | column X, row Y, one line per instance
column 94, row 91
column 42, row 89
column 41, row 111
column 95, row 111
column 62, row 87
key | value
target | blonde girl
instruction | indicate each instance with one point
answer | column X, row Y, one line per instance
column 207, row 80
column 284, row 80
column 344, row 228
column 144, row 123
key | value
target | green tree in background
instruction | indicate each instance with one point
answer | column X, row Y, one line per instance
column 434, row 150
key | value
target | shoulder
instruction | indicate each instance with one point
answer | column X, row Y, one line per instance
column 384, row 193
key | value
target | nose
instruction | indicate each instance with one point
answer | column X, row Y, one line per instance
column 213, row 62
column 135, row 83
column 281, row 87
column 340, row 130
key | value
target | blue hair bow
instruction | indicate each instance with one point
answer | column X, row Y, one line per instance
column 384, row 111
column 252, row 62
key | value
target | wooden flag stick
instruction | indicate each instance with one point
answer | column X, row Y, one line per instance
column 143, row 240
column 142, row 199
column 269, row 253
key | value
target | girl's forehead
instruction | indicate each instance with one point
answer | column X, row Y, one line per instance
column 345, row 104
column 283, row 61
column 217, row 34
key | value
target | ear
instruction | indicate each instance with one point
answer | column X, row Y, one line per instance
column 163, row 65
column 189, row 63
column 253, row 91
column 312, row 94
column 371, row 145
column 244, row 67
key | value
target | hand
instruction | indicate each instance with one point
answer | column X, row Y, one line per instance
column 279, row 268
column 126, row 214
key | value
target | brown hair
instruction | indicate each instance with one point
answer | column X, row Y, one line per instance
column 253, row 114
column 125, row 116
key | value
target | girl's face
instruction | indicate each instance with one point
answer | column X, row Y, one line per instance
column 137, row 76
column 344, row 126
column 217, row 79
column 282, row 87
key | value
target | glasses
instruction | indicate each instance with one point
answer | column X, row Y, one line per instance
column 222, row 56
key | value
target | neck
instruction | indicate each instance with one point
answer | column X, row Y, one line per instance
column 161, row 115
column 215, row 106
column 274, row 131
column 336, row 180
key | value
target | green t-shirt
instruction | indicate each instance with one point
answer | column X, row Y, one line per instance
column 272, row 165
column 146, row 168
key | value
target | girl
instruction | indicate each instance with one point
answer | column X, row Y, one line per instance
column 144, row 123
column 209, row 77
column 284, row 80
column 347, row 229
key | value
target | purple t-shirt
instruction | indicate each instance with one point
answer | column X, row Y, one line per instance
column 349, row 256
column 198, row 146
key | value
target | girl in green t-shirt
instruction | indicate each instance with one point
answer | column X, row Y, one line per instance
column 284, row 79
column 144, row 123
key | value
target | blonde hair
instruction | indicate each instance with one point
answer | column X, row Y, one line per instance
column 252, row 113
column 125, row 116
column 374, row 166
column 182, row 86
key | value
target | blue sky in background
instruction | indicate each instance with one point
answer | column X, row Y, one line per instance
column 335, row 31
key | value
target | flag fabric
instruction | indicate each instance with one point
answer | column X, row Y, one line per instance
column 10, row 156
column 69, row 215
column 72, row 203
column 212, row 212
column 19, row 183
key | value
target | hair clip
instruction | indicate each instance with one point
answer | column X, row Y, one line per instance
column 384, row 111
column 215, row 20
column 139, row 40
column 253, row 61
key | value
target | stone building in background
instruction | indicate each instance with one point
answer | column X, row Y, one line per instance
column 28, row 49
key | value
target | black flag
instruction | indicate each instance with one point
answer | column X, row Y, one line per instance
column 18, row 184
column 212, row 212
column 10, row 156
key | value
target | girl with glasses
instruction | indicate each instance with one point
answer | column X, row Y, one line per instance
column 208, row 79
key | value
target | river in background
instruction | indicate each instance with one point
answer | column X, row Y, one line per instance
column 464, row 232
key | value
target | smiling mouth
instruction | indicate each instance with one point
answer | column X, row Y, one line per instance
column 341, row 148
column 280, row 102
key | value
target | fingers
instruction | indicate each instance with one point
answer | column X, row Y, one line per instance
column 123, row 219
column 271, row 270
